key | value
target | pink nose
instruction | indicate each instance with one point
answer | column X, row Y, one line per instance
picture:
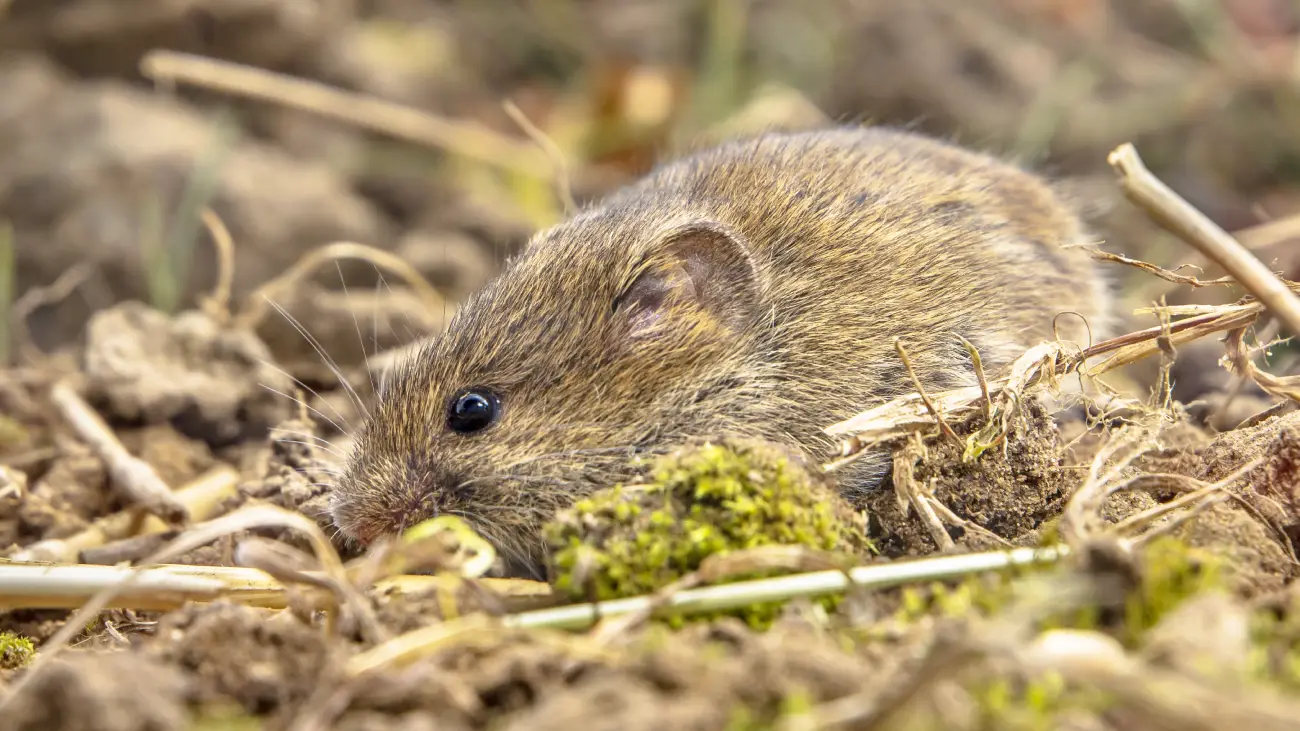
column 364, row 535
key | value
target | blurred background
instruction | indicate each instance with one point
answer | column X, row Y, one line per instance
column 449, row 130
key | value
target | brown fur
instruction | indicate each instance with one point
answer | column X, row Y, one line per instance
column 751, row 289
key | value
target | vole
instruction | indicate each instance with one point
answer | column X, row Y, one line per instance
column 752, row 289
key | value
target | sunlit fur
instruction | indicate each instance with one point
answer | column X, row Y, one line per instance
column 853, row 235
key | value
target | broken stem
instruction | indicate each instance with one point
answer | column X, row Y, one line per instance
column 1178, row 216
column 134, row 477
column 925, row 398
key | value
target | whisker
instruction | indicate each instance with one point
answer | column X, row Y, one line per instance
column 325, row 357
column 310, row 445
column 307, row 406
column 410, row 336
column 630, row 449
column 374, row 334
column 365, row 355
column 322, row 469
column 300, row 433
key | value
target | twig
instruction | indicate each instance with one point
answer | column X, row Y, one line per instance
column 1181, row 218
column 134, row 477
column 1269, row 233
column 1165, row 274
column 704, row 599
column 920, row 390
column 807, row 585
column 470, row 140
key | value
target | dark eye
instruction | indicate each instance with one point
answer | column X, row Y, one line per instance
column 473, row 410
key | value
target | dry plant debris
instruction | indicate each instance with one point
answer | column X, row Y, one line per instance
column 1128, row 569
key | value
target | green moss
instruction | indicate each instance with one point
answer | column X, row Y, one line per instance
column 981, row 594
column 1171, row 573
column 15, row 651
column 796, row 703
column 1034, row 704
column 702, row 501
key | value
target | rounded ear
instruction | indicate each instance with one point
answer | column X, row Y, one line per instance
column 700, row 268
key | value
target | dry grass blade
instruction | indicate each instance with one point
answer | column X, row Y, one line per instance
column 1240, row 362
column 41, row 586
column 1161, row 272
column 467, row 139
column 170, row 586
column 255, row 307
column 1145, row 343
column 782, row 588
column 1178, row 216
column 131, row 475
column 935, row 413
column 910, row 493
column 910, row 415
column 1044, row 364
column 217, row 305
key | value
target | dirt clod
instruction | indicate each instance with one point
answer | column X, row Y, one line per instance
column 259, row 660
column 212, row 383
column 1009, row 494
column 102, row 691
column 103, row 173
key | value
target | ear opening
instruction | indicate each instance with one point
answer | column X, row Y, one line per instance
column 699, row 267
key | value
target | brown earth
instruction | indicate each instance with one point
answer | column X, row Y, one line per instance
column 99, row 171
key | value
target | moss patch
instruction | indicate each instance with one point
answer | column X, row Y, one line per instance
column 15, row 651
column 705, row 500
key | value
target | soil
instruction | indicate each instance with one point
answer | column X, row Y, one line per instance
column 100, row 171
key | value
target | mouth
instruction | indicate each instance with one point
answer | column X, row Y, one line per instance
column 509, row 565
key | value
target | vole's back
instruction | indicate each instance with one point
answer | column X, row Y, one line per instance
column 868, row 234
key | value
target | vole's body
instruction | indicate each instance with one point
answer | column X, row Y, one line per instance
column 755, row 289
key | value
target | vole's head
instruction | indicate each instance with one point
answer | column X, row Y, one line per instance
column 610, row 337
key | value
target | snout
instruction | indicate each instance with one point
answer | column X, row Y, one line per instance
column 368, row 511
